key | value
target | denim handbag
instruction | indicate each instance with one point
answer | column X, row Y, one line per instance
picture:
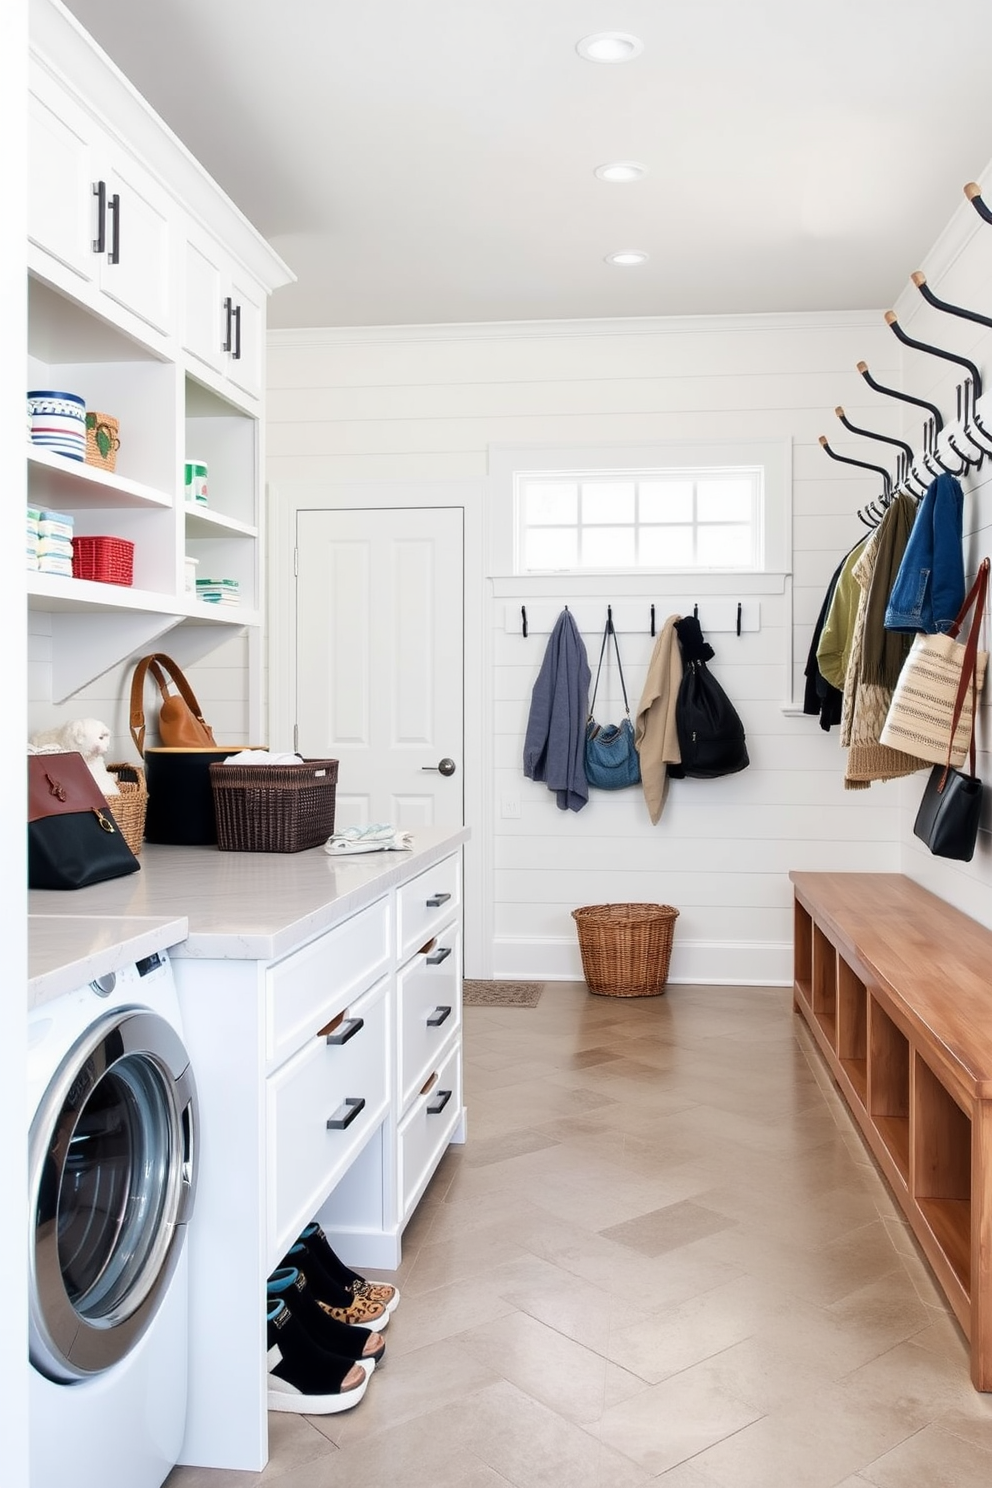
column 610, row 755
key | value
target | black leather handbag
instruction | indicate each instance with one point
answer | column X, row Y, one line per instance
column 948, row 817
column 73, row 839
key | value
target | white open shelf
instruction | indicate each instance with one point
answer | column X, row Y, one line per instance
column 74, row 484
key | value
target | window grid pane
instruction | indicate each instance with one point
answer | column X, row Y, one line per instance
column 703, row 518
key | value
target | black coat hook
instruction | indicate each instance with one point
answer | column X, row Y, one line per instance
column 738, row 617
column 846, row 460
column 652, row 620
column 609, row 618
column 892, row 321
column 695, row 612
column 879, row 387
column 920, row 280
column 870, row 434
column 523, row 621
column 974, row 194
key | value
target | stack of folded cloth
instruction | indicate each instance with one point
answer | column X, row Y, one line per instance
column 380, row 837
column 31, row 536
column 218, row 591
column 49, row 540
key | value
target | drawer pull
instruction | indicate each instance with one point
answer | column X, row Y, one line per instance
column 345, row 1115
column 438, row 956
column 436, row 900
column 437, row 1105
column 438, row 1016
column 346, row 1031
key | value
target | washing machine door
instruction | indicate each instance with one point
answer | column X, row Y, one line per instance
column 112, row 1172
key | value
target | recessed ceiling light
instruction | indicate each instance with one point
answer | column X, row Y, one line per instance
column 621, row 171
column 627, row 258
column 609, row 46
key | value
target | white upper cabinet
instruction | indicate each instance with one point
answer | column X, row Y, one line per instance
column 95, row 211
column 223, row 323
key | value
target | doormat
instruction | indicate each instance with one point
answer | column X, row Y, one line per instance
column 501, row 994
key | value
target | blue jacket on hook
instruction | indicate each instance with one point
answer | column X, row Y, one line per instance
column 929, row 587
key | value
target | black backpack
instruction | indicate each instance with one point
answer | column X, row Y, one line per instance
column 710, row 732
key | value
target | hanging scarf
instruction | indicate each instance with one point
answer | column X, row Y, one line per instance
column 884, row 651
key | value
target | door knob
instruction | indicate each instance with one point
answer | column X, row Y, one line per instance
column 445, row 766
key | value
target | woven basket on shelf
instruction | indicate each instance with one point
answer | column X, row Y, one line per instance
column 274, row 808
column 102, row 440
column 625, row 948
column 108, row 560
column 130, row 806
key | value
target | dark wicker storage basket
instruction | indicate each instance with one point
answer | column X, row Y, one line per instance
column 274, row 808
column 130, row 806
column 625, row 948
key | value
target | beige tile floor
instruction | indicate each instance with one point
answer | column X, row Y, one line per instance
column 664, row 1256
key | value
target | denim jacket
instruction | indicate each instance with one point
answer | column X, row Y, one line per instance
column 929, row 587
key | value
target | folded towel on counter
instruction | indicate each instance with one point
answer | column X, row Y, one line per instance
column 380, row 837
column 262, row 757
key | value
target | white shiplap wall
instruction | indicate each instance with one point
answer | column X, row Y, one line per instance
column 219, row 680
column 422, row 405
column 959, row 272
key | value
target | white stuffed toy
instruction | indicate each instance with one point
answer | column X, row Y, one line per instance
column 88, row 737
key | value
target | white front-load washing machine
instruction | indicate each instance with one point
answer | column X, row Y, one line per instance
column 112, row 1171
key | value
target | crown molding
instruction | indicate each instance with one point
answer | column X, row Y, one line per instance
column 553, row 330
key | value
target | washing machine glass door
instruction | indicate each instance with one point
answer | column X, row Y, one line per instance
column 112, row 1173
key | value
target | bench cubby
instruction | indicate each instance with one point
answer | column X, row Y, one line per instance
column 895, row 987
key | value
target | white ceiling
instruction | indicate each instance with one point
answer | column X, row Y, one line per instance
column 419, row 161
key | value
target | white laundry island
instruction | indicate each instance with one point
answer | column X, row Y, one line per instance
column 321, row 1003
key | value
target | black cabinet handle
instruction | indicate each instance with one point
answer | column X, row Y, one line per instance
column 236, row 353
column 114, row 256
column 345, row 1115
column 346, row 1031
column 438, row 956
column 437, row 900
column 438, row 1016
column 100, row 192
column 437, row 1105
column 228, row 311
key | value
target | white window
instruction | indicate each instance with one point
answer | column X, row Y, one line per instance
column 690, row 509
column 706, row 518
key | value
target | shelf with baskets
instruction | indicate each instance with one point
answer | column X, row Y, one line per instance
column 119, row 317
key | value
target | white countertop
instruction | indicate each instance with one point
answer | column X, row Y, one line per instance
column 247, row 906
column 66, row 951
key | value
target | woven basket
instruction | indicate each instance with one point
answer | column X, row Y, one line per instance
column 274, row 808
column 130, row 806
column 102, row 440
column 625, row 948
column 108, row 560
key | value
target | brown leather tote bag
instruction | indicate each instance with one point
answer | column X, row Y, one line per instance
column 181, row 725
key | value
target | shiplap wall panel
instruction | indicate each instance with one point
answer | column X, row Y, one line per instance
column 409, row 404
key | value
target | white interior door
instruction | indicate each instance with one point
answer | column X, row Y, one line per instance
column 379, row 678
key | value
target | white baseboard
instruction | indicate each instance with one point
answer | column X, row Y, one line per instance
column 745, row 963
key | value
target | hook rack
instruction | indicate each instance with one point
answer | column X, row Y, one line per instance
column 633, row 617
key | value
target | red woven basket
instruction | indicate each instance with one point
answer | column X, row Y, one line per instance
column 109, row 560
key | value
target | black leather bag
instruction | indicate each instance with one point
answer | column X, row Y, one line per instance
column 710, row 732
column 73, row 839
column 947, row 820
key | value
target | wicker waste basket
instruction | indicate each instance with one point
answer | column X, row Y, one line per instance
column 625, row 948
column 130, row 805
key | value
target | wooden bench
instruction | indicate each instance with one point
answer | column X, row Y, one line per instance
column 896, row 986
